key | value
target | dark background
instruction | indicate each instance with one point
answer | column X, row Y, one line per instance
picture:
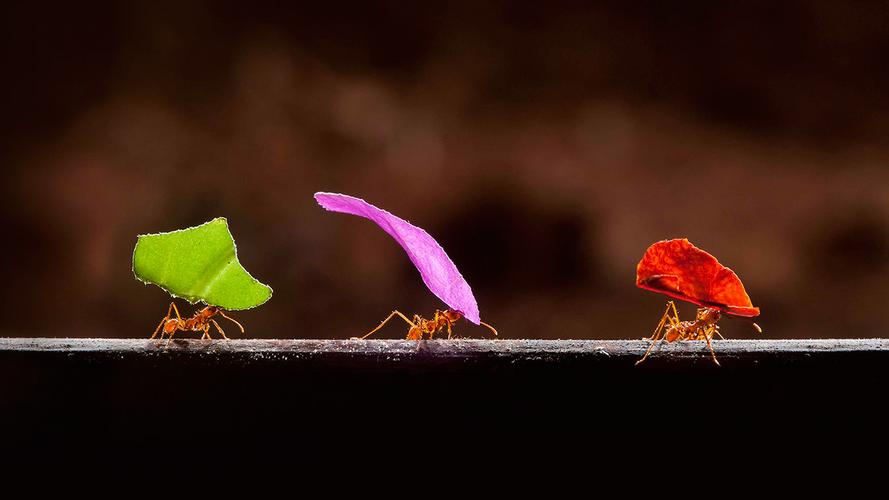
column 544, row 144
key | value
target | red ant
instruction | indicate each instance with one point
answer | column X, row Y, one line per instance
column 704, row 327
column 200, row 322
column 420, row 327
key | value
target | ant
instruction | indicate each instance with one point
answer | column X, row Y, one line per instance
column 702, row 328
column 420, row 327
column 200, row 322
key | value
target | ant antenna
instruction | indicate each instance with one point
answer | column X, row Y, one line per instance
column 489, row 327
column 755, row 326
column 232, row 320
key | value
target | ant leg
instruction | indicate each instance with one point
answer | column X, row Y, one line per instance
column 707, row 334
column 674, row 320
column 169, row 310
column 654, row 341
column 394, row 313
column 169, row 339
column 663, row 320
column 178, row 318
column 230, row 319
column 176, row 310
column 660, row 324
column 158, row 329
column 217, row 327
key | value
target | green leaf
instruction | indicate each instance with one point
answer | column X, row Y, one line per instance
column 199, row 264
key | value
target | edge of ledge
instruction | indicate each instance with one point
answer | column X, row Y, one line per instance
column 456, row 347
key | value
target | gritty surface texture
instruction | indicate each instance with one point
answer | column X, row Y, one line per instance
column 443, row 348
column 380, row 398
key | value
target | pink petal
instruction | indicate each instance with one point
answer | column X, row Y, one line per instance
column 436, row 268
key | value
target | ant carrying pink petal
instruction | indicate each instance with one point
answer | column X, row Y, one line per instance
column 437, row 269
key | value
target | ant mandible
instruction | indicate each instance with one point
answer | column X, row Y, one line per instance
column 200, row 322
column 420, row 327
column 704, row 327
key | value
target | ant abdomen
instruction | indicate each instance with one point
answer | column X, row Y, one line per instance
column 170, row 326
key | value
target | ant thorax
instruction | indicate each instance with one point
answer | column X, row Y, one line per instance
column 708, row 315
column 451, row 316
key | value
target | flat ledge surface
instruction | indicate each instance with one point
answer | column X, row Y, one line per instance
column 457, row 347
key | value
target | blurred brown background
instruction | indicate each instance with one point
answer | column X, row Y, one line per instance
column 544, row 144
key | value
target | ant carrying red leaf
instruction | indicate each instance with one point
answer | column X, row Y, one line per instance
column 683, row 271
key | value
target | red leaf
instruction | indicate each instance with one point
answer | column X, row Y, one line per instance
column 685, row 272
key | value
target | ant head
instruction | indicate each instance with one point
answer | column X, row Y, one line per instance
column 708, row 315
column 452, row 316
